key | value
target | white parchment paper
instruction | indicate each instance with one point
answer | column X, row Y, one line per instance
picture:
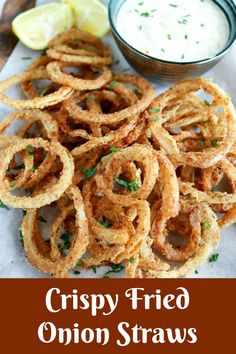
column 12, row 259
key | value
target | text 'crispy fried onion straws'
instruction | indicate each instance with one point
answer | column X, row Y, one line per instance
column 120, row 179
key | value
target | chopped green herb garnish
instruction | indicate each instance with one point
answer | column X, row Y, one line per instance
column 43, row 92
column 112, row 84
column 90, row 172
column 135, row 90
column 214, row 257
column 154, row 110
column 66, row 238
column 207, row 103
column 183, row 21
column 206, row 225
column 106, row 223
column 214, row 143
column 182, row 56
column 26, row 58
column 154, row 119
column 42, row 219
column 196, row 272
column 30, row 150
column 77, row 272
column 33, row 169
column 132, row 186
column 214, row 189
column 106, row 276
column 202, row 143
column 79, row 263
column 21, row 238
column 28, row 190
column 4, row 206
column 145, row 14
column 202, row 25
column 117, row 62
column 94, row 268
column 169, row 37
column 113, row 149
column 131, row 260
column 115, row 268
column 140, row 3
column 186, row 36
column 13, row 184
column 173, row 5
column 163, row 50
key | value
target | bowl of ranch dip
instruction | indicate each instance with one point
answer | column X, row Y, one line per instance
column 168, row 40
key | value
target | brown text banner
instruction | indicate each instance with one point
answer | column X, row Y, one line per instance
column 117, row 316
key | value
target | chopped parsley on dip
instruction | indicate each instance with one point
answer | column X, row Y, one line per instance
column 177, row 31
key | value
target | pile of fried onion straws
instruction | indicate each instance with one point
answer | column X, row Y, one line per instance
column 129, row 179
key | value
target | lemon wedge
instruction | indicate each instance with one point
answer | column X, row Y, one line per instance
column 37, row 26
column 90, row 16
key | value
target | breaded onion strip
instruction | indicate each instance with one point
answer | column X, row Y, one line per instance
column 54, row 192
column 142, row 85
column 137, row 153
column 58, row 265
column 28, row 178
column 109, row 139
column 63, row 53
column 159, row 127
column 210, row 239
column 141, row 231
column 38, row 102
column 182, row 253
column 55, row 73
column 27, row 86
column 214, row 197
column 113, row 234
column 34, row 115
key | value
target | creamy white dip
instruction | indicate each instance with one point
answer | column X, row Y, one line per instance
column 174, row 30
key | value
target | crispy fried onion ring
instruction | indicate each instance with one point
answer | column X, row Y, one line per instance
column 187, row 224
column 144, row 266
column 223, row 201
column 124, row 232
column 49, row 124
column 27, row 178
column 116, row 166
column 181, row 122
column 89, row 49
column 112, row 138
column 49, row 195
column 57, row 75
column 132, row 183
column 38, row 102
column 27, row 86
column 93, row 103
column 49, row 259
column 142, row 103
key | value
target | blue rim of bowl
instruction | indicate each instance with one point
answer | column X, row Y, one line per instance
column 217, row 56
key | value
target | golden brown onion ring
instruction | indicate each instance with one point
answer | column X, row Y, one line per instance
column 90, row 117
column 37, row 102
column 52, row 193
column 55, row 73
